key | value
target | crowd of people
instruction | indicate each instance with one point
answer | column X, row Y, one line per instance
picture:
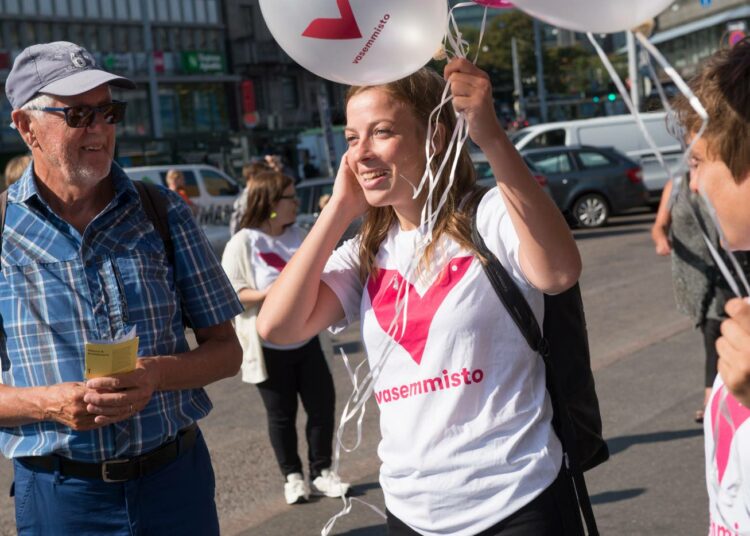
column 83, row 261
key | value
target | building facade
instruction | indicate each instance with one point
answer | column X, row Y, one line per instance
column 690, row 31
column 185, row 40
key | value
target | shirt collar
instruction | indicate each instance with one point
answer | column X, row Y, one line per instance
column 25, row 188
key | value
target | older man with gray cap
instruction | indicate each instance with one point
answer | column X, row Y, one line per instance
column 82, row 261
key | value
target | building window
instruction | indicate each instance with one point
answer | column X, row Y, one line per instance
column 90, row 40
column 121, row 39
column 108, row 10
column 289, row 94
column 136, row 39
column 213, row 12
column 12, row 7
column 29, row 8
column 45, row 8
column 161, row 41
column 75, row 33
column 135, row 9
column 162, row 13
column 174, row 39
column 92, row 9
column 247, row 20
column 188, row 10
column 28, row 34
column 11, row 35
column 121, row 10
column 58, row 33
column 200, row 11
column 175, row 12
column 77, row 8
column 61, row 8
column 43, row 32
column 105, row 38
column 188, row 43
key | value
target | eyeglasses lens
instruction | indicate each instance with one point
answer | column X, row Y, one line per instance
column 83, row 116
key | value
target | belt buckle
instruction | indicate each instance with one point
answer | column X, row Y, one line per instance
column 105, row 470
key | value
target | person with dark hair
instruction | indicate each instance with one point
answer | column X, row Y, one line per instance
column 720, row 170
column 253, row 258
column 83, row 262
column 467, row 443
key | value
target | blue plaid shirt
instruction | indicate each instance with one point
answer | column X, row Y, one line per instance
column 60, row 288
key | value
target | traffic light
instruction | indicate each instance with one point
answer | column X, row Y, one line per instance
column 596, row 99
column 612, row 97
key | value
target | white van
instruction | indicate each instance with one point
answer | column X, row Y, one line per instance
column 212, row 191
column 620, row 132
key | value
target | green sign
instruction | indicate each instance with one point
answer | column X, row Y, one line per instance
column 195, row 62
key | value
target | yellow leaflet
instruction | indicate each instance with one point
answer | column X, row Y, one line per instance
column 105, row 359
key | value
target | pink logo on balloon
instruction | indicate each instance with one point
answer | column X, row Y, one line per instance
column 499, row 4
column 345, row 27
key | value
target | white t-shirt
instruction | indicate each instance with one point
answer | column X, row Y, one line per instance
column 268, row 256
column 727, row 463
column 464, row 412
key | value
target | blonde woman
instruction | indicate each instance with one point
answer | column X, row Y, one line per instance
column 467, row 441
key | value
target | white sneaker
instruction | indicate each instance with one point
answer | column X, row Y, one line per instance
column 295, row 489
column 329, row 484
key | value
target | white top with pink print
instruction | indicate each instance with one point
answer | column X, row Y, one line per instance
column 465, row 415
column 727, row 438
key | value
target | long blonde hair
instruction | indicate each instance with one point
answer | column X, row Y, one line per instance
column 421, row 92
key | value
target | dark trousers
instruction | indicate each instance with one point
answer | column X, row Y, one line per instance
column 178, row 499
column 553, row 513
column 711, row 332
column 300, row 372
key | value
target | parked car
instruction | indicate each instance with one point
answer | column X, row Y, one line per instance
column 212, row 191
column 589, row 184
column 485, row 177
column 619, row 132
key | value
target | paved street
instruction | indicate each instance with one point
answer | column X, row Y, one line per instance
column 648, row 366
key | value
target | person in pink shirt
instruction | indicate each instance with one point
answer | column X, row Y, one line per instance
column 720, row 169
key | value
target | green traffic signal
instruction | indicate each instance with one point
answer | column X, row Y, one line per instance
column 612, row 97
column 596, row 99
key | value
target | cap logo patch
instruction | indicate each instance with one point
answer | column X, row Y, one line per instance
column 78, row 59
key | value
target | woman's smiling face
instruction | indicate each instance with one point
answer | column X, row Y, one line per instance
column 386, row 150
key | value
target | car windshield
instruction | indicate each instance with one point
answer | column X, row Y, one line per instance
column 515, row 136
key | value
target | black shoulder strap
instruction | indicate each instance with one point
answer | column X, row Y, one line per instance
column 156, row 210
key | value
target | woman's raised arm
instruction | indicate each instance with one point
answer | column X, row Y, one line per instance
column 548, row 254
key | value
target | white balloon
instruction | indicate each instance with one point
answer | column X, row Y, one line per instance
column 596, row 16
column 358, row 42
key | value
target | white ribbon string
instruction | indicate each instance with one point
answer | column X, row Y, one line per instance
column 362, row 389
column 629, row 103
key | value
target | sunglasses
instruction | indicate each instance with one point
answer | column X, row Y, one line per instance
column 83, row 116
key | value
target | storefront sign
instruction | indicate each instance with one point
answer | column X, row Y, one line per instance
column 120, row 63
column 202, row 62
column 158, row 61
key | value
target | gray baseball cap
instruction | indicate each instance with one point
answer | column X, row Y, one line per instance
column 60, row 68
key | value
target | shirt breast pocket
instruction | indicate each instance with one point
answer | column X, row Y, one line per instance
column 147, row 283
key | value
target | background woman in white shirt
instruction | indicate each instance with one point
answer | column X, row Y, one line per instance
column 253, row 259
column 467, row 444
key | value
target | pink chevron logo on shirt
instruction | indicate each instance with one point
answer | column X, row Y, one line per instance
column 383, row 290
column 273, row 260
column 345, row 27
column 739, row 414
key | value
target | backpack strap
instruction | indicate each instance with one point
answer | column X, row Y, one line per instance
column 520, row 311
column 156, row 210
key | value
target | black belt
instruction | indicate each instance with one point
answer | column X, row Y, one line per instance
column 118, row 470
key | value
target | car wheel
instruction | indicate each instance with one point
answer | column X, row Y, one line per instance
column 590, row 211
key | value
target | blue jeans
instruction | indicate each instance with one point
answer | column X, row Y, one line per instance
column 177, row 499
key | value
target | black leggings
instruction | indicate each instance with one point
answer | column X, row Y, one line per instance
column 711, row 332
column 302, row 371
column 553, row 513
